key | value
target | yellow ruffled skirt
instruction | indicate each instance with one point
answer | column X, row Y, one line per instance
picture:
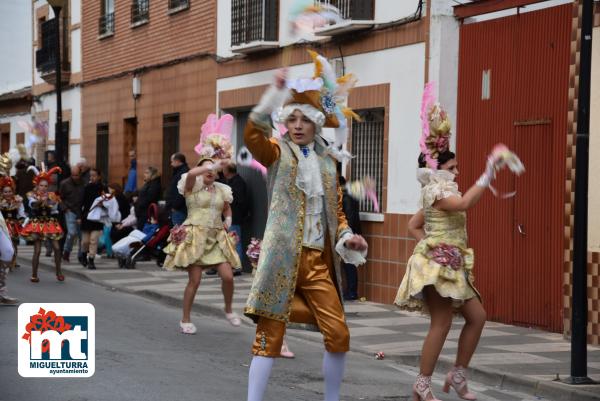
column 422, row 270
column 201, row 247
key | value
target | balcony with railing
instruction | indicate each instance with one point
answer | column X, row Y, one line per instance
column 140, row 12
column 45, row 55
column 254, row 25
column 357, row 15
column 106, row 25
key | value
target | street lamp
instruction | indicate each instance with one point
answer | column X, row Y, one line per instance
column 59, row 142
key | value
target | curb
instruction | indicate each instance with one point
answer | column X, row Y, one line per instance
column 555, row 390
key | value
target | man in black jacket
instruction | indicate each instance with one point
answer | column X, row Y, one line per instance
column 175, row 201
column 239, row 207
column 352, row 211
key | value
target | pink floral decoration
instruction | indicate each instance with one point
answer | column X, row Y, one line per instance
column 253, row 250
column 447, row 255
column 178, row 234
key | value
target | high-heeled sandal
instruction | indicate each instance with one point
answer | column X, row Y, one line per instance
column 422, row 389
column 285, row 351
column 457, row 379
column 34, row 279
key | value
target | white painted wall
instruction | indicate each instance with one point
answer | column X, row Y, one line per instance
column 594, row 189
column 75, row 11
column 76, row 50
column 13, row 120
column 224, row 28
column 71, row 99
column 443, row 56
column 403, row 68
column 15, row 45
column 391, row 10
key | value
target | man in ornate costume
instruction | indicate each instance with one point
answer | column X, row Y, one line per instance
column 298, row 276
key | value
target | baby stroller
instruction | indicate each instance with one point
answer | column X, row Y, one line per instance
column 147, row 244
column 153, row 248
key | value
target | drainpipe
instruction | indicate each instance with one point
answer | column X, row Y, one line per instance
column 579, row 318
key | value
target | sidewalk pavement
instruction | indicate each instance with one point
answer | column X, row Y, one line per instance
column 518, row 358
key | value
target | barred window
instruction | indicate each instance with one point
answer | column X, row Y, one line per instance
column 176, row 5
column 106, row 22
column 254, row 20
column 367, row 147
column 140, row 12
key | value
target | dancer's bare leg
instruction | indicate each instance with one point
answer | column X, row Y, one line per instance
column 475, row 318
column 440, row 309
column 226, row 274
column 194, row 278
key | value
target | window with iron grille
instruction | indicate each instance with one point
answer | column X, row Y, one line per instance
column 140, row 11
column 362, row 10
column 254, row 20
column 106, row 22
column 178, row 4
column 367, row 148
column 170, row 145
column 102, row 149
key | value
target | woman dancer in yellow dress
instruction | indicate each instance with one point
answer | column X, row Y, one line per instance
column 439, row 275
column 202, row 241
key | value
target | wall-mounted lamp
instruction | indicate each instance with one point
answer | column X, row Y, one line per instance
column 136, row 87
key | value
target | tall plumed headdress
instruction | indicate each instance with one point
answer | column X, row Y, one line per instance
column 215, row 138
column 44, row 175
column 322, row 99
column 5, row 166
column 435, row 125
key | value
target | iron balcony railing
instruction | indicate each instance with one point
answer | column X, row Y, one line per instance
column 254, row 20
column 106, row 24
column 45, row 56
column 140, row 11
column 360, row 10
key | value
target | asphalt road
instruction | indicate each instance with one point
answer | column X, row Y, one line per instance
column 140, row 355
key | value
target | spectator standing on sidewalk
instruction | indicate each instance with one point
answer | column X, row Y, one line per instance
column 149, row 193
column 90, row 230
column 352, row 211
column 131, row 184
column 84, row 170
column 241, row 201
column 175, row 201
column 239, row 207
column 71, row 192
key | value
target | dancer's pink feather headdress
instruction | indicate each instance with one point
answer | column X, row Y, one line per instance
column 215, row 138
column 435, row 125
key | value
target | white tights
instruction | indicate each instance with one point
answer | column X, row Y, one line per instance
column 333, row 372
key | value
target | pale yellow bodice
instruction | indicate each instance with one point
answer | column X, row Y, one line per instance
column 446, row 226
column 205, row 208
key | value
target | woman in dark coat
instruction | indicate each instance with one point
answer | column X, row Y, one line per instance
column 91, row 231
column 149, row 193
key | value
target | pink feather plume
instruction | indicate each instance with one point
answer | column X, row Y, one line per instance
column 427, row 102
